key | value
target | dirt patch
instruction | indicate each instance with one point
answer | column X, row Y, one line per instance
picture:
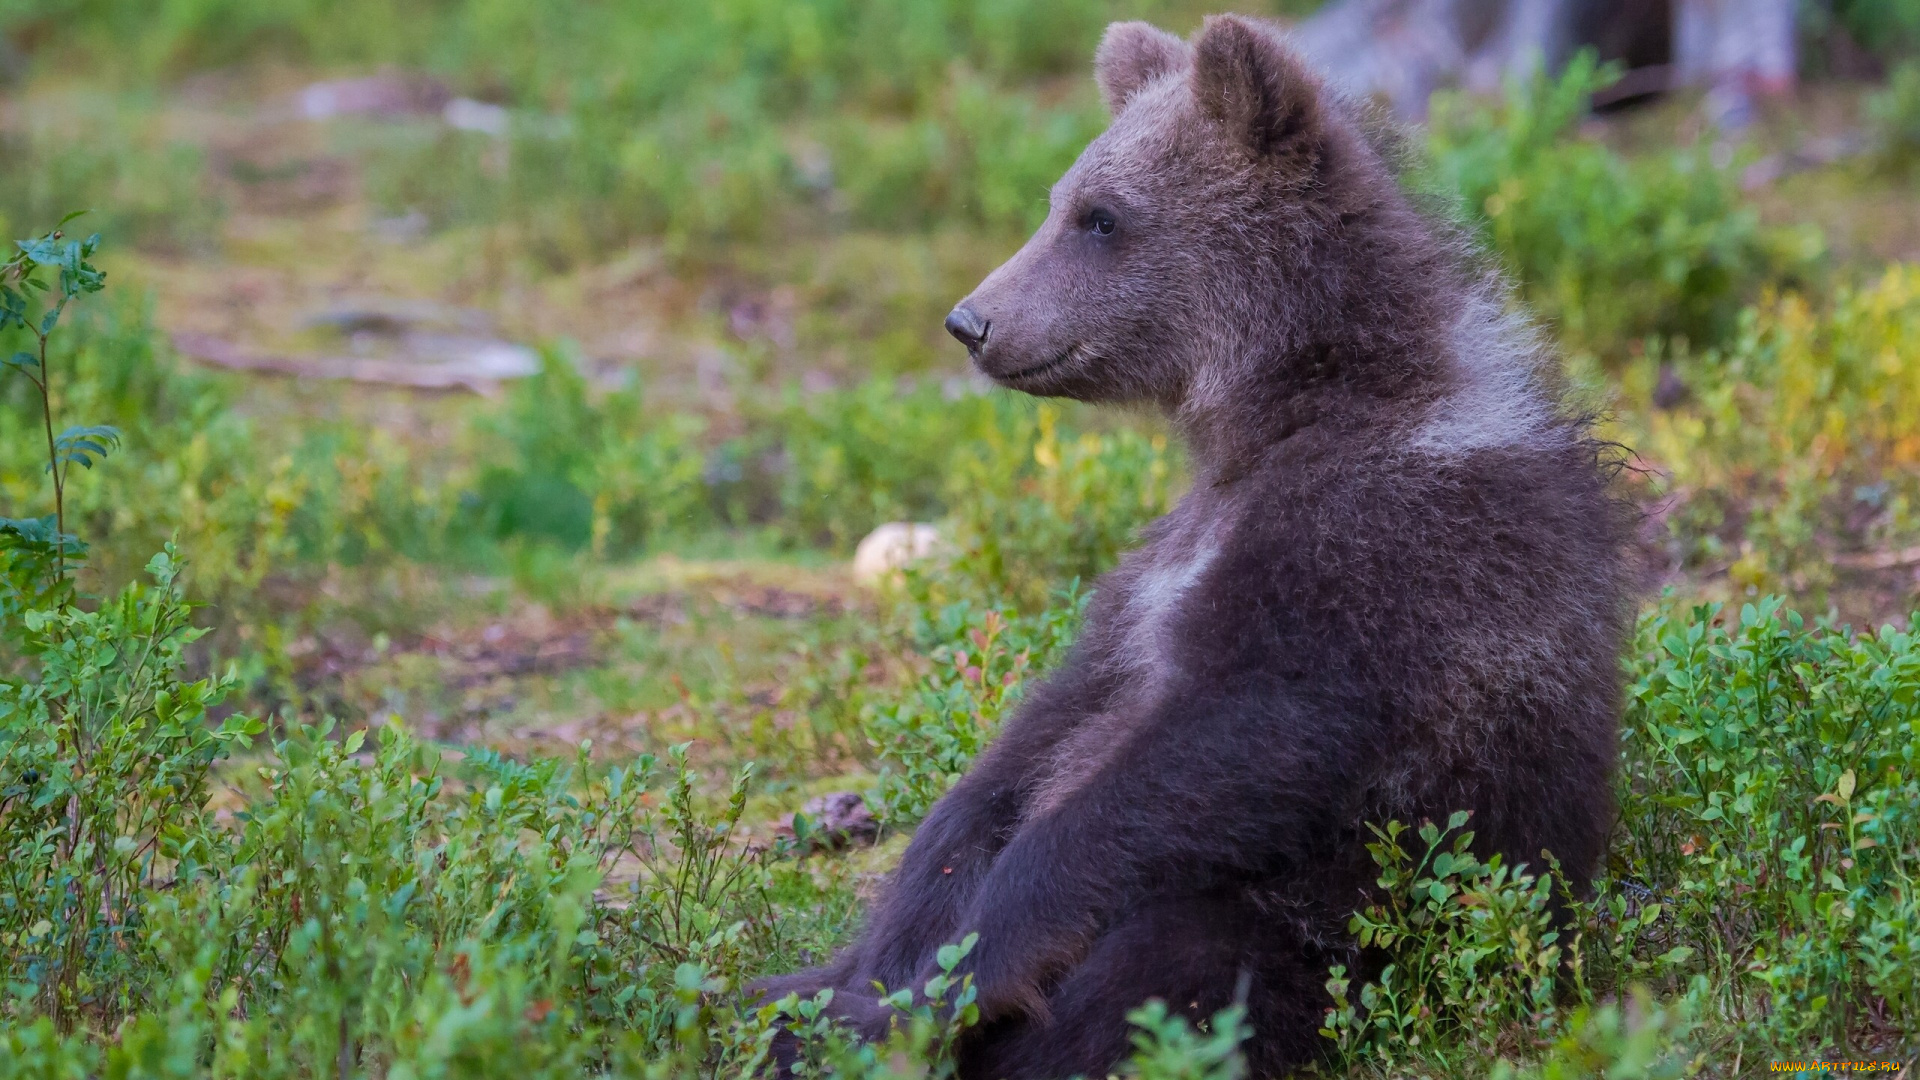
column 535, row 641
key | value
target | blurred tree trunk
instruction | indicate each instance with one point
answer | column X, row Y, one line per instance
column 1403, row 50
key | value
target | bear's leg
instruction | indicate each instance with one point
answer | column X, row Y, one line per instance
column 955, row 847
column 1191, row 952
column 805, row 983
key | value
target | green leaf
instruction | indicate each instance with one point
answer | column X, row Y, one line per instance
column 101, row 432
column 162, row 567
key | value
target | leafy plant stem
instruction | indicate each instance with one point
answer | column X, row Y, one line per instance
column 53, row 461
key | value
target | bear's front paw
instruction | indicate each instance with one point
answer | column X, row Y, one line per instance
column 774, row 987
column 860, row 1012
column 863, row 1013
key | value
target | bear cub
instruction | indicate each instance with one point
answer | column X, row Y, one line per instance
column 1397, row 588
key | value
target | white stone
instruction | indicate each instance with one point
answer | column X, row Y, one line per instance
column 893, row 546
column 467, row 114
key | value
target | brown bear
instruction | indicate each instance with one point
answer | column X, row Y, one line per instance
column 1396, row 589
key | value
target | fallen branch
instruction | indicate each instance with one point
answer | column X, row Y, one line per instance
column 1880, row 560
column 481, row 371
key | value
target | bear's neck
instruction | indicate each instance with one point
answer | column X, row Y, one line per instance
column 1359, row 341
column 1228, row 439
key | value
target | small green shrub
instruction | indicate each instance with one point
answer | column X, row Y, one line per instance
column 980, row 659
column 1474, row 961
column 979, row 154
column 1762, row 875
column 842, row 462
column 1607, row 249
column 1796, row 442
column 363, row 909
column 588, row 469
column 105, row 758
column 579, row 466
column 33, row 323
column 921, row 1042
column 1638, row 1038
column 1888, row 27
column 1770, row 788
column 1166, row 1047
column 261, row 502
column 92, row 148
column 1893, row 117
column 1035, row 506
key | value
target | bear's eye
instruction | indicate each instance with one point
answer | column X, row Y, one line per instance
column 1100, row 222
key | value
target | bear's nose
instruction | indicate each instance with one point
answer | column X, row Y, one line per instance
column 968, row 327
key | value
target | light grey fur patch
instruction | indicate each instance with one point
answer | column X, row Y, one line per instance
column 1078, row 758
column 1152, row 600
column 1497, row 399
column 1143, row 654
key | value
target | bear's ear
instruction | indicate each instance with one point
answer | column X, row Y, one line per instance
column 1247, row 81
column 1131, row 55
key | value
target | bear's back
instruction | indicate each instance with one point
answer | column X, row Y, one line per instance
column 1460, row 606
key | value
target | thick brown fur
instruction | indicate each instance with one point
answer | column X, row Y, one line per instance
column 1397, row 588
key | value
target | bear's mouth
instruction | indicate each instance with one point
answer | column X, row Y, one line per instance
column 1038, row 369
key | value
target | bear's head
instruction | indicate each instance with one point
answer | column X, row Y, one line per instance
column 1205, row 233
